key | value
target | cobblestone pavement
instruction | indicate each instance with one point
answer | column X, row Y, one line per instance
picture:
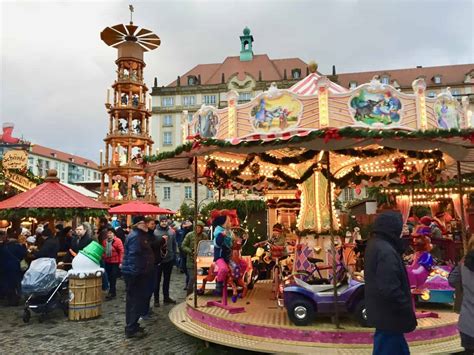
column 103, row 335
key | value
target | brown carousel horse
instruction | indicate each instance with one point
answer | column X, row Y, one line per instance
column 237, row 267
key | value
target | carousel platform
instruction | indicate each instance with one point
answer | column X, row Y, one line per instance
column 265, row 327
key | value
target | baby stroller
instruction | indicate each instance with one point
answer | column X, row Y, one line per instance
column 46, row 289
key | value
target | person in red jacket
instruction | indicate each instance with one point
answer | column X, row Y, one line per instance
column 113, row 256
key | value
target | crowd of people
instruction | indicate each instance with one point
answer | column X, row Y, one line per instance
column 143, row 255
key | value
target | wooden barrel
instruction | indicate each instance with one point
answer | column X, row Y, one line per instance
column 85, row 297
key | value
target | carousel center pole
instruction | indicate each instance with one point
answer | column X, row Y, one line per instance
column 195, row 227
column 463, row 219
column 333, row 245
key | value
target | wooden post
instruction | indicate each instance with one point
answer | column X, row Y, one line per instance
column 463, row 219
column 333, row 244
column 195, row 227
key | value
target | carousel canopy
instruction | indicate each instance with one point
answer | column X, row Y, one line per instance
column 309, row 86
column 373, row 133
column 139, row 208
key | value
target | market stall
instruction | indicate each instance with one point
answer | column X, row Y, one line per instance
column 373, row 135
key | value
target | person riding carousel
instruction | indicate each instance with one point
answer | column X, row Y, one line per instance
column 228, row 267
column 222, row 239
column 277, row 242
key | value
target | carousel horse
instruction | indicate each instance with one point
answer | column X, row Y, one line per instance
column 237, row 267
column 420, row 267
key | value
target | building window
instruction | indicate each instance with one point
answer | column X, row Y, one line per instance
column 437, row 79
column 245, row 96
column 167, row 101
column 189, row 100
column 296, row 73
column 192, row 80
column 432, row 94
column 188, row 192
column 348, row 194
column 168, row 121
column 210, row 194
column 210, row 99
column 190, row 117
column 456, row 92
column 352, row 84
column 385, row 80
column 166, row 193
column 167, row 138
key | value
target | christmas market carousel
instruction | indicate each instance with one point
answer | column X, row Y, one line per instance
column 305, row 145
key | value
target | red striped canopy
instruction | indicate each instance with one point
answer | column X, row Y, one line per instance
column 308, row 86
column 51, row 194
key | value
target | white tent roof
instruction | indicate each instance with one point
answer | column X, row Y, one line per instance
column 81, row 190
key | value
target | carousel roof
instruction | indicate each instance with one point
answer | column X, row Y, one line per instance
column 281, row 135
column 51, row 194
column 309, row 86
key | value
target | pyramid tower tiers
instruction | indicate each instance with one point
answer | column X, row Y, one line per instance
column 128, row 138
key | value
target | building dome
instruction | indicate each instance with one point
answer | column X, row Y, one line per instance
column 246, row 31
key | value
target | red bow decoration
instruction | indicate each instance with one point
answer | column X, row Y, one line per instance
column 298, row 194
column 470, row 137
column 332, row 133
column 197, row 141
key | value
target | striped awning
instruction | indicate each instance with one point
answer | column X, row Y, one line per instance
column 308, row 86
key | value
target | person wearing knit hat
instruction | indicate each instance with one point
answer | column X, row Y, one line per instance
column 388, row 298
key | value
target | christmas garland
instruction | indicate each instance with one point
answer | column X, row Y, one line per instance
column 57, row 213
column 372, row 153
column 308, row 155
column 172, row 179
column 346, row 132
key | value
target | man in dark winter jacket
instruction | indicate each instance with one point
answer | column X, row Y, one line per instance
column 79, row 241
column 163, row 231
column 186, row 227
column 136, row 266
column 387, row 291
column 50, row 246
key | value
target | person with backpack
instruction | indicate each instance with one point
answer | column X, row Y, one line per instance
column 113, row 256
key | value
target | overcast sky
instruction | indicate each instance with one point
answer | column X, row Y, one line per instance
column 55, row 69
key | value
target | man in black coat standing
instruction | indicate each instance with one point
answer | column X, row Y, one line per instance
column 50, row 246
column 387, row 291
column 137, row 265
